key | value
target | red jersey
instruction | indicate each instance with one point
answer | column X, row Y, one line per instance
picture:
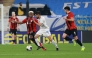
column 13, row 25
column 70, row 24
column 31, row 26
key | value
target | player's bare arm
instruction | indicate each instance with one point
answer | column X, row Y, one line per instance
column 19, row 22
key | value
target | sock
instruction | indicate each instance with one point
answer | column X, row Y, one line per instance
column 36, row 40
column 29, row 39
column 54, row 43
column 79, row 42
column 68, row 39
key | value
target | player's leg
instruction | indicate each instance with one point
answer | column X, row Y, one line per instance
column 13, row 39
column 33, row 39
column 66, row 34
column 53, row 42
column 47, row 34
column 74, row 33
column 14, row 34
column 31, row 36
column 37, row 35
column 36, row 40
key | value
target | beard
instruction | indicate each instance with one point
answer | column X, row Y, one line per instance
column 37, row 17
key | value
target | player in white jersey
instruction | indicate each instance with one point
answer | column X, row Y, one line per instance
column 44, row 30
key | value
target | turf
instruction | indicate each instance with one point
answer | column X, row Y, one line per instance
column 66, row 51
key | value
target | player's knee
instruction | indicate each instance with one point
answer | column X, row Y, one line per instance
column 36, row 36
column 63, row 37
column 49, row 37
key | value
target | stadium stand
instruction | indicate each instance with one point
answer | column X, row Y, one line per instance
column 44, row 9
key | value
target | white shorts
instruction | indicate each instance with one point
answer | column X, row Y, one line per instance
column 44, row 32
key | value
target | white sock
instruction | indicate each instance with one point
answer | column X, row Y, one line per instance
column 82, row 46
column 37, row 42
column 54, row 43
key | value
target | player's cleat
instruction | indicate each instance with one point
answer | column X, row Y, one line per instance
column 38, row 47
column 57, row 49
column 83, row 48
column 42, row 47
column 74, row 42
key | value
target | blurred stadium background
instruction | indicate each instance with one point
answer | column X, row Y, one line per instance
column 53, row 11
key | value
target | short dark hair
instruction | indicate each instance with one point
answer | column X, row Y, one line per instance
column 38, row 12
column 67, row 8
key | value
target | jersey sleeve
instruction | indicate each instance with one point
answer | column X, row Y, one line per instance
column 25, row 20
column 71, row 15
column 42, row 20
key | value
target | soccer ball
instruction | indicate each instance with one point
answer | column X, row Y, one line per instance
column 29, row 48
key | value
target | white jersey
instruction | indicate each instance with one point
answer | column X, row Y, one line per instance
column 43, row 21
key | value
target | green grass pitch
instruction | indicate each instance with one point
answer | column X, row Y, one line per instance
column 66, row 51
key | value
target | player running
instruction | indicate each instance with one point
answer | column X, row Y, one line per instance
column 44, row 29
column 13, row 27
column 31, row 27
column 71, row 28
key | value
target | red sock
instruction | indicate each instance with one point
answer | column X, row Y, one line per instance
column 41, row 44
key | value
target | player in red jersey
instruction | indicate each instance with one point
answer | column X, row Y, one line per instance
column 31, row 27
column 71, row 28
column 13, row 26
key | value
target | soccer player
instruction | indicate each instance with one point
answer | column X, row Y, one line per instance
column 13, row 27
column 44, row 29
column 31, row 27
column 71, row 28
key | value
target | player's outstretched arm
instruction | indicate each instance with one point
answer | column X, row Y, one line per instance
column 19, row 22
column 22, row 22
